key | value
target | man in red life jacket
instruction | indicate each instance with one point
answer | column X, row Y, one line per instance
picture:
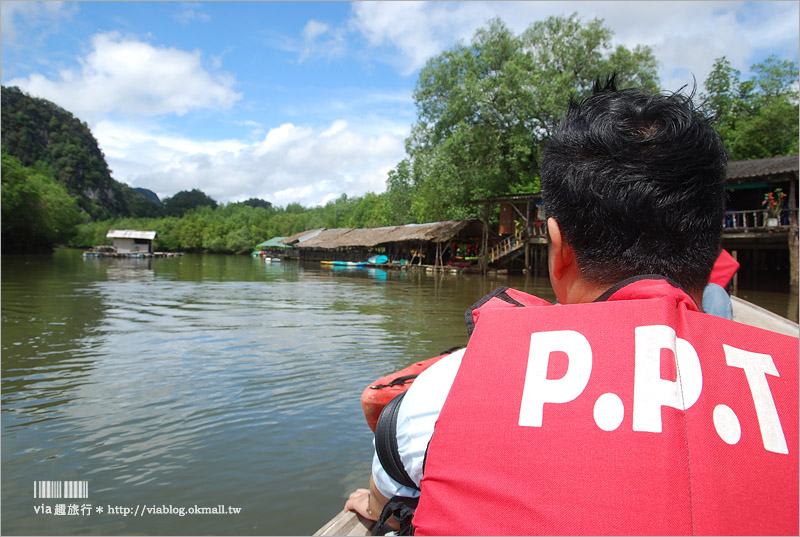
column 716, row 300
column 624, row 409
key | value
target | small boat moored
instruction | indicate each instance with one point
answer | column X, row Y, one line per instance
column 345, row 263
column 378, row 260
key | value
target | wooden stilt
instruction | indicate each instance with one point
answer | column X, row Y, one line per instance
column 794, row 240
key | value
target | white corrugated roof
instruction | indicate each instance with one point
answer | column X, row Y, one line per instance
column 130, row 234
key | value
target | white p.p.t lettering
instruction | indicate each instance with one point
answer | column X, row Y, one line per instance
column 756, row 368
column 650, row 391
column 538, row 389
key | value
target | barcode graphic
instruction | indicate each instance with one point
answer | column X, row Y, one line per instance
column 60, row 489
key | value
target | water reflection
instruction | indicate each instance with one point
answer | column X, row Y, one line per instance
column 45, row 323
column 209, row 380
column 124, row 268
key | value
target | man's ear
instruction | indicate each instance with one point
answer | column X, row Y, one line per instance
column 562, row 256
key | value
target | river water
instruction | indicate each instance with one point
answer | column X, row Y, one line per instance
column 206, row 381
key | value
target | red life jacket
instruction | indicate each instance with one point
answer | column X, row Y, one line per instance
column 584, row 420
column 724, row 268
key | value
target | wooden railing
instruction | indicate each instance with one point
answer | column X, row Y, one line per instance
column 515, row 242
column 505, row 247
column 539, row 229
column 758, row 219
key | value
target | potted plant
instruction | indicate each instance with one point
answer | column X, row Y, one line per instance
column 773, row 201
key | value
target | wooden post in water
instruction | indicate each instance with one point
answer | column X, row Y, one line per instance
column 484, row 263
column 528, row 234
column 794, row 266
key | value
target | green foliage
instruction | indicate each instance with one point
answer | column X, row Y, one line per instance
column 237, row 227
column 399, row 193
column 139, row 205
column 485, row 111
column 257, row 202
column 37, row 210
column 186, row 200
column 40, row 133
column 756, row 118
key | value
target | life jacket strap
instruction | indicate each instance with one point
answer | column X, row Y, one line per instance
column 402, row 509
column 386, row 443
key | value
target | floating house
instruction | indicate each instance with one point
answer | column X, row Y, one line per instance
column 521, row 231
column 129, row 241
column 764, row 243
column 271, row 247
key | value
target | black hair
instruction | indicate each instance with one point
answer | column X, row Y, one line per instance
column 636, row 182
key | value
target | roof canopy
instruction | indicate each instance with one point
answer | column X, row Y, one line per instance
column 274, row 242
column 350, row 237
column 764, row 169
column 510, row 198
column 130, row 234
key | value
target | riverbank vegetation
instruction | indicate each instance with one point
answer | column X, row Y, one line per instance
column 485, row 111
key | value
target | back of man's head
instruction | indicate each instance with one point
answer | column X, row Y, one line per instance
column 636, row 182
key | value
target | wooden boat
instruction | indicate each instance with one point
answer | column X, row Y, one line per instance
column 347, row 523
column 350, row 523
column 748, row 313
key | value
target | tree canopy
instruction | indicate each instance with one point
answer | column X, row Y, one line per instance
column 185, row 200
column 258, row 202
column 39, row 132
column 485, row 110
column 38, row 212
column 756, row 118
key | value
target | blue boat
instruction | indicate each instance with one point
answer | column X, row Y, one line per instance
column 378, row 260
column 345, row 263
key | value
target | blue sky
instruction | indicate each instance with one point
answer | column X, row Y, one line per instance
column 305, row 101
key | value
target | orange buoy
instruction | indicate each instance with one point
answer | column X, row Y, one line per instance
column 383, row 390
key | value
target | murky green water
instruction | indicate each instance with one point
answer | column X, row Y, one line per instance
column 206, row 381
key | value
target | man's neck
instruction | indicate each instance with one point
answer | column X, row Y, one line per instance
column 582, row 292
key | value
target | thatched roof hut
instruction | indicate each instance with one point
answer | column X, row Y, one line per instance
column 369, row 238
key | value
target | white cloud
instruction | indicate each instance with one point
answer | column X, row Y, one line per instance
column 313, row 29
column 290, row 164
column 190, row 12
column 319, row 39
column 686, row 37
column 418, row 30
column 19, row 17
column 129, row 77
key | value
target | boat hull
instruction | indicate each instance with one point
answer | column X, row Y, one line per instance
column 345, row 263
